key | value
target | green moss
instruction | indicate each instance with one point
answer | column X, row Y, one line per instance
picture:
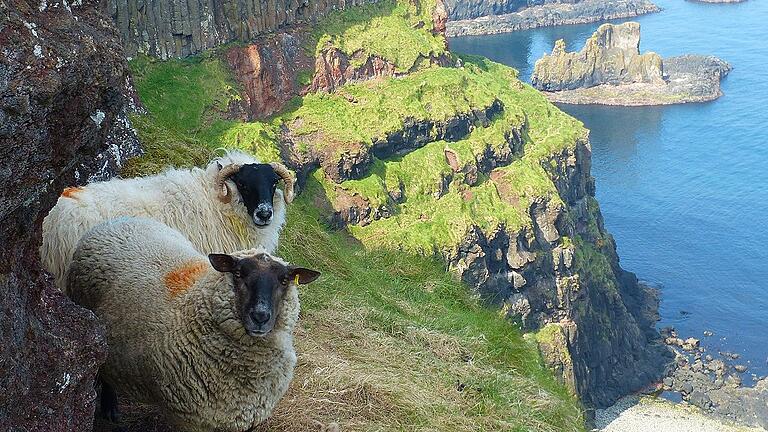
column 399, row 31
column 548, row 334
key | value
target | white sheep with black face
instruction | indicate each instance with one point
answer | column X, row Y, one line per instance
column 208, row 339
column 232, row 204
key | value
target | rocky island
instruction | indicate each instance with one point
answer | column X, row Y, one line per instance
column 476, row 17
column 610, row 70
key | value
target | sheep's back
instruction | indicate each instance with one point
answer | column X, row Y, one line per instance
column 120, row 271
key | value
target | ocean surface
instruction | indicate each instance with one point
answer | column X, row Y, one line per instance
column 683, row 189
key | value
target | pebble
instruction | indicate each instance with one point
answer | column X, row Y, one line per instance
column 740, row 368
column 708, row 333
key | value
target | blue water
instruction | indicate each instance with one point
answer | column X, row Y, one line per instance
column 684, row 189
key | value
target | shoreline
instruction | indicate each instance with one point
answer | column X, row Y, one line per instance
column 654, row 414
column 627, row 95
column 550, row 15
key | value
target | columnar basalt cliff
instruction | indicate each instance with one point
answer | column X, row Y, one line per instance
column 180, row 28
column 474, row 17
column 610, row 70
column 64, row 97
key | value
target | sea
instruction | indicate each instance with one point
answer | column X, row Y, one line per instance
column 683, row 188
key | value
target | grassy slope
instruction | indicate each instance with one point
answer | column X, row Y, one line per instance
column 388, row 340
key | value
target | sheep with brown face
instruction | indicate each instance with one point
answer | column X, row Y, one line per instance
column 231, row 204
column 207, row 338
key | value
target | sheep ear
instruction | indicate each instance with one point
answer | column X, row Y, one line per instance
column 223, row 262
column 303, row 275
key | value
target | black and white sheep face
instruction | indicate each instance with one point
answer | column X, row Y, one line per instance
column 257, row 184
column 260, row 284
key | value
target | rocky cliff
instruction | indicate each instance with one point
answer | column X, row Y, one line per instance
column 179, row 28
column 64, row 96
column 472, row 17
column 610, row 56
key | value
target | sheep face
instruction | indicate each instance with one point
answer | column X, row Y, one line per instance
column 256, row 184
column 260, row 282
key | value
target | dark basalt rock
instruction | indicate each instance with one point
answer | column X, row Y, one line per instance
column 167, row 29
column 64, row 95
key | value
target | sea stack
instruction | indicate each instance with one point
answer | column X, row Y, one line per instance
column 610, row 56
column 610, row 70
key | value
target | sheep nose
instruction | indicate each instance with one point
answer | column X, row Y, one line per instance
column 264, row 214
column 260, row 316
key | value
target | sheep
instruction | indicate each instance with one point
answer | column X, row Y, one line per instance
column 232, row 204
column 208, row 339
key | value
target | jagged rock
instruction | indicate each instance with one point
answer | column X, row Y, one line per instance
column 477, row 17
column 333, row 69
column 610, row 56
column 267, row 70
column 64, row 96
column 690, row 344
column 740, row 368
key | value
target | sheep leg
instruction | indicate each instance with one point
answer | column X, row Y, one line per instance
column 108, row 406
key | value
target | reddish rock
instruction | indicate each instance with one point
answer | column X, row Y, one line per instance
column 268, row 72
column 439, row 17
column 333, row 69
column 64, row 94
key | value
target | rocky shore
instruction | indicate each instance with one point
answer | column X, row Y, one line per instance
column 713, row 382
column 610, row 70
column 467, row 20
column 652, row 414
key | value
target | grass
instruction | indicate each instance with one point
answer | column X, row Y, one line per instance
column 390, row 341
column 187, row 101
column 398, row 31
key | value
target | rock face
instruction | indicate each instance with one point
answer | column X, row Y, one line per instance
column 610, row 56
column 610, row 70
column 594, row 321
column 267, row 71
column 64, row 95
column 176, row 28
column 476, row 17
column 598, row 320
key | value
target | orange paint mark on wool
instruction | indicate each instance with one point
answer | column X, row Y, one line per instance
column 71, row 192
column 183, row 277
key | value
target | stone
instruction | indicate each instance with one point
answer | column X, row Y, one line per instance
column 64, row 99
column 740, row 368
column 708, row 333
column 669, row 383
column 686, row 388
column 700, row 399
